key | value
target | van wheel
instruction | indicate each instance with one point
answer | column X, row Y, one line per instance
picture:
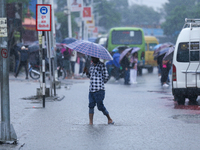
column 180, row 99
column 192, row 100
column 150, row 70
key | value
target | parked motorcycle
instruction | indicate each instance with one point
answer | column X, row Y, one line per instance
column 34, row 71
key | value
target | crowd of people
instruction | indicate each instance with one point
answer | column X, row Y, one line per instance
column 67, row 58
column 125, row 68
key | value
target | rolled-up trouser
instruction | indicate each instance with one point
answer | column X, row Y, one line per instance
column 97, row 98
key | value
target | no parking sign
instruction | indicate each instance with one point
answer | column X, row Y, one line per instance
column 43, row 17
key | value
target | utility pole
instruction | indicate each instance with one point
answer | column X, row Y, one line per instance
column 69, row 19
column 7, row 131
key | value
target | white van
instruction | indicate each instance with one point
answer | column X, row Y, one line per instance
column 186, row 63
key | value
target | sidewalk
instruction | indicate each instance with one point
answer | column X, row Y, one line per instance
column 34, row 124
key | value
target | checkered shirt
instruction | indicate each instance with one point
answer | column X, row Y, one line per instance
column 98, row 75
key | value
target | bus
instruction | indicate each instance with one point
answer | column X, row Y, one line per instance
column 131, row 37
column 150, row 43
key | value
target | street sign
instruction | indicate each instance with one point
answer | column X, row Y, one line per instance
column 43, row 17
column 3, row 27
column 87, row 13
column 4, row 53
column 76, row 5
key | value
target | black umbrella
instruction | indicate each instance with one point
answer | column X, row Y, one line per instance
column 33, row 48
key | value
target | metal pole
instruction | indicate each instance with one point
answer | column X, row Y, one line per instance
column 7, row 130
column 48, row 43
column 43, row 68
column 69, row 19
column 53, row 41
column 40, row 52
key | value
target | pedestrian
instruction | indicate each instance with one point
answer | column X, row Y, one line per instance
column 98, row 75
column 16, row 50
column 113, row 65
column 82, row 63
column 166, row 66
column 73, row 62
column 159, row 62
column 66, row 61
column 125, row 66
column 24, row 53
column 133, row 68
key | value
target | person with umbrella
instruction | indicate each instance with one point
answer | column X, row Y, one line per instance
column 114, row 64
column 124, row 62
column 133, row 69
column 98, row 75
column 24, row 53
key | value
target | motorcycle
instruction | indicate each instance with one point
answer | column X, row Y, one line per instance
column 34, row 72
column 115, row 72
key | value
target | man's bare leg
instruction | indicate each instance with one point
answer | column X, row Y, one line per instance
column 91, row 119
column 110, row 121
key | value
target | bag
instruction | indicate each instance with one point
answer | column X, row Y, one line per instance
column 66, row 55
column 131, row 65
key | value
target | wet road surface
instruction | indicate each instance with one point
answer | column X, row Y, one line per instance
column 145, row 115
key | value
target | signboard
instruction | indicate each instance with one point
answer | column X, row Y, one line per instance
column 87, row 13
column 90, row 24
column 43, row 17
column 3, row 27
column 76, row 5
column 4, row 53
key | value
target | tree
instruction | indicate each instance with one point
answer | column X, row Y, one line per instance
column 62, row 19
column 176, row 12
column 25, row 4
column 109, row 17
column 142, row 15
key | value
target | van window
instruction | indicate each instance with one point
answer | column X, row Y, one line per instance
column 183, row 52
column 126, row 37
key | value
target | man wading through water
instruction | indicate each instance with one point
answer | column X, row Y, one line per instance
column 98, row 75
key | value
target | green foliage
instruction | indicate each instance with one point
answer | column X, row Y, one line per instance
column 62, row 19
column 142, row 15
column 176, row 12
column 109, row 16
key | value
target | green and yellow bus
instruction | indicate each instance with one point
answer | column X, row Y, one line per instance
column 128, row 36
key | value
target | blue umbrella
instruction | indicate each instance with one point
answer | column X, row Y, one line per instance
column 163, row 51
column 91, row 49
column 68, row 40
column 169, row 54
column 157, row 46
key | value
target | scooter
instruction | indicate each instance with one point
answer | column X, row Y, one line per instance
column 34, row 71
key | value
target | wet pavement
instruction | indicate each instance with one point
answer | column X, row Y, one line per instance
column 145, row 115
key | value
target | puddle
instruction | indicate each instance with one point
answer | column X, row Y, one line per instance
column 193, row 118
column 159, row 91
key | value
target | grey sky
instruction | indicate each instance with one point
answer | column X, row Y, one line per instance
column 151, row 3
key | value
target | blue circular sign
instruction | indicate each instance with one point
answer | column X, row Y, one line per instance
column 43, row 10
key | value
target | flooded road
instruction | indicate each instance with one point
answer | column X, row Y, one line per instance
column 145, row 115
